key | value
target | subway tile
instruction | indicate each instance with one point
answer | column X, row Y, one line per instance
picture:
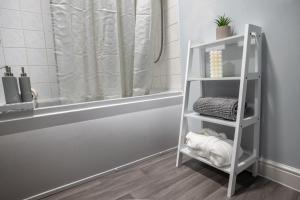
column 54, row 90
column 12, row 38
column 52, row 74
column 51, row 57
column 15, row 56
column 43, row 90
column 37, row 56
column 34, row 39
column 45, row 4
column 49, row 40
column 47, row 22
column 10, row 19
column 2, row 60
column 30, row 5
column 10, row 4
column 39, row 74
column 32, row 21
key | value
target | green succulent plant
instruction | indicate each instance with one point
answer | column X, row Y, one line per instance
column 222, row 20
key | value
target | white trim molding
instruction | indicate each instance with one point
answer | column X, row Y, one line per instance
column 280, row 173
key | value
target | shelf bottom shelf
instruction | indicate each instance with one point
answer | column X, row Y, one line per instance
column 245, row 160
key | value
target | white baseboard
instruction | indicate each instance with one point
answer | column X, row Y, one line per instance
column 280, row 173
column 90, row 178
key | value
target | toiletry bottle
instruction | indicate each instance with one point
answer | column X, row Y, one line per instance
column 10, row 86
column 25, row 87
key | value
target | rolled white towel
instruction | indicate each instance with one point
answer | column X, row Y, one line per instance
column 198, row 141
column 216, row 148
column 210, row 132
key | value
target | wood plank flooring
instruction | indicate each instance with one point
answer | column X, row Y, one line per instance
column 159, row 179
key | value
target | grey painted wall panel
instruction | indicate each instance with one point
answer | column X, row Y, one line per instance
column 281, row 63
column 38, row 160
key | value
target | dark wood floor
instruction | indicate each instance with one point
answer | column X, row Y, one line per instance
column 159, row 179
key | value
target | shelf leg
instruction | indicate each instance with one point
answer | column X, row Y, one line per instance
column 179, row 159
column 257, row 101
column 234, row 161
column 256, row 148
column 231, row 185
column 183, row 131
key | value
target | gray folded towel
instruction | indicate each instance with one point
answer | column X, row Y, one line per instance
column 225, row 108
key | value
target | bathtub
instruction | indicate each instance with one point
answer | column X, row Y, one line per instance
column 54, row 148
column 56, row 111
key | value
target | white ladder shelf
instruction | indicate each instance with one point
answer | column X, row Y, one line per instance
column 247, row 160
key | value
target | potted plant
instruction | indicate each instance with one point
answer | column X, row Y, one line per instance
column 223, row 29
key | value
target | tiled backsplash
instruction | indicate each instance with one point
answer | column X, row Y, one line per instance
column 167, row 72
column 27, row 41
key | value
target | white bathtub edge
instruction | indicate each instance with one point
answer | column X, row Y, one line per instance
column 85, row 112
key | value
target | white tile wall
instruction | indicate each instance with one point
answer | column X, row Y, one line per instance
column 2, row 63
column 15, row 56
column 12, row 38
column 51, row 57
column 26, row 40
column 30, row 5
column 37, row 56
column 52, row 74
column 49, row 39
column 39, row 74
column 10, row 18
column 11, row 4
column 34, row 39
column 32, row 21
column 167, row 73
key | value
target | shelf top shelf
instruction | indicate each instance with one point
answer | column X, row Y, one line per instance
column 228, row 40
column 213, row 79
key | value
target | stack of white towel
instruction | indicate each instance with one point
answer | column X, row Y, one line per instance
column 212, row 145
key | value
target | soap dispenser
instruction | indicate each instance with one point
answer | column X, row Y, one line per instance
column 10, row 86
column 25, row 87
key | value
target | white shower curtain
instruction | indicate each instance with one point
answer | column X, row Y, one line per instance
column 104, row 47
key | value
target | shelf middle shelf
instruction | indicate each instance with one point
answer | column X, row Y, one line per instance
column 247, row 121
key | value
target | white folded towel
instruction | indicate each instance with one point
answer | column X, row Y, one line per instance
column 213, row 146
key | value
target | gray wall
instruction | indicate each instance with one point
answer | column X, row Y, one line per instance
column 281, row 63
column 38, row 160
